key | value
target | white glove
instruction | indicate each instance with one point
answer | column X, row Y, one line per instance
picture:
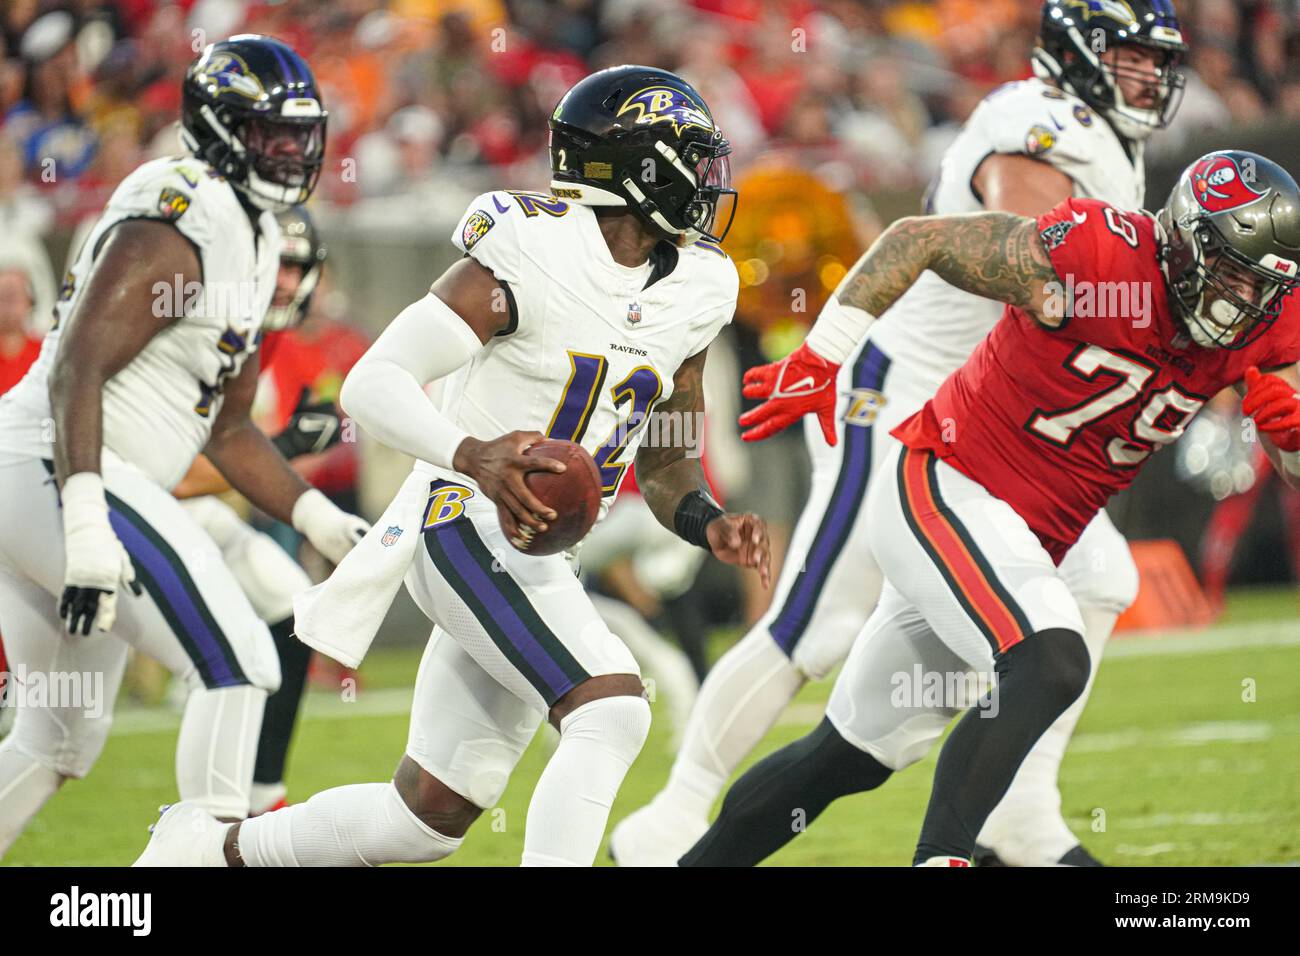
column 330, row 529
column 97, row 565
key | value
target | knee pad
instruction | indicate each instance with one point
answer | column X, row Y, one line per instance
column 69, row 748
column 1054, row 663
column 266, row 573
column 619, row 724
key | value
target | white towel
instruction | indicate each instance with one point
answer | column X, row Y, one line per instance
column 341, row 615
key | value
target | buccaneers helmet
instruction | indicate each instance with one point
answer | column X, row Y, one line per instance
column 300, row 244
column 1232, row 246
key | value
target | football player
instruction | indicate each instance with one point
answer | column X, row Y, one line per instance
column 1000, row 474
column 152, row 360
column 1104, row 83
column 266, row 573
column 572, row 315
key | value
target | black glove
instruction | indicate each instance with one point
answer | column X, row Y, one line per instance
column 313, row 427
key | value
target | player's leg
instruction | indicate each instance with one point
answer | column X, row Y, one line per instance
column 467, row 733
column 270, row 578
column 63, row 708
column 668, row 673
column 529, row 624
column 824, row 595
column 53, row 739
column 990, row 592
column 195, row 620
column 1026, row 828
column 881, row 718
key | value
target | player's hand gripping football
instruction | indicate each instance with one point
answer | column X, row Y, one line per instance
column 741, row 539
column 97, row 566
column 498, row 467
column 801, row 383
column 1274, row 405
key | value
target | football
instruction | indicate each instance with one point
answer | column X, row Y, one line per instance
column 574, row 494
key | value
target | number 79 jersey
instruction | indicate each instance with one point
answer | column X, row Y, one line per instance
column 1055, row 421
column 592, row 346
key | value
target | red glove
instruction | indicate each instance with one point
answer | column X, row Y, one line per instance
column 800, row 383
column 1274, row 405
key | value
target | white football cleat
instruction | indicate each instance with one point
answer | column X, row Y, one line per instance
column 655, row 835
column 185, row 835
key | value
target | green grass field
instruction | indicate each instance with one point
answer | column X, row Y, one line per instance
column 1189, row 754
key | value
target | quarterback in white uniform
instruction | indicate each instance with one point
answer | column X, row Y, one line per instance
column 1025, row 148
column 573, row 315
column 152, row 360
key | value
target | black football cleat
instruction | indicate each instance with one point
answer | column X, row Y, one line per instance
column 1079, row 857
column 984, row 856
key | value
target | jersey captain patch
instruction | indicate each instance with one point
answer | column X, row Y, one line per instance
column 476, row 227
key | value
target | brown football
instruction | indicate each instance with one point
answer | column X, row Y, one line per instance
column 574, row 494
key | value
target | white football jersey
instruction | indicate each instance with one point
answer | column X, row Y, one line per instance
column 596, row 344
column 158, row 411
column 934, row 327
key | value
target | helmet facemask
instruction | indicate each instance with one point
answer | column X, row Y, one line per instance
column 702, row 175
column 1087, row 49
column 284, row 159
column 1214, row 309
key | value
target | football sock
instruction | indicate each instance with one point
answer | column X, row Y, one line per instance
column 216, row 746
column 25, row 785
column 282, row 706
column 1026, row 827
column 1037, row 680
column 363, row 824
column 740, row 700
column 571, row 803
column 779, row 796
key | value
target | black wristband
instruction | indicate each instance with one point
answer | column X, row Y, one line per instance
column 694, row 512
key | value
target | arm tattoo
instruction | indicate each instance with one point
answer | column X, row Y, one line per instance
column 995, row 255
column 667, row 473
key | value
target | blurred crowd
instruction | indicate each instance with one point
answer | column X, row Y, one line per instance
column 436, row 99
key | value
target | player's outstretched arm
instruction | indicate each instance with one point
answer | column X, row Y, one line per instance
column 992, row 254
column 996, row 255
column 113, row 321
column 1272, row 400
column 249, row 460
column 673, row 484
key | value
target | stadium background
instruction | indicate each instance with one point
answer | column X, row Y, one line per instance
column 838, row 111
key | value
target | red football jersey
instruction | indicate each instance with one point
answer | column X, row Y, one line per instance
column 1055, row 421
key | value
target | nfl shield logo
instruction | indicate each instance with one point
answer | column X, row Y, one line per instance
column 390, row 536
column 634, row 313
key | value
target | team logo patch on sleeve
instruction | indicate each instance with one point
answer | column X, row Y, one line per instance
column 1039, row 140
column 476, row 227
column 172, row 203
column 1054, row 235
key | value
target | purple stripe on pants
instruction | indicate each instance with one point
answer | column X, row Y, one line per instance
column 498, row 606
column 178, row 597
